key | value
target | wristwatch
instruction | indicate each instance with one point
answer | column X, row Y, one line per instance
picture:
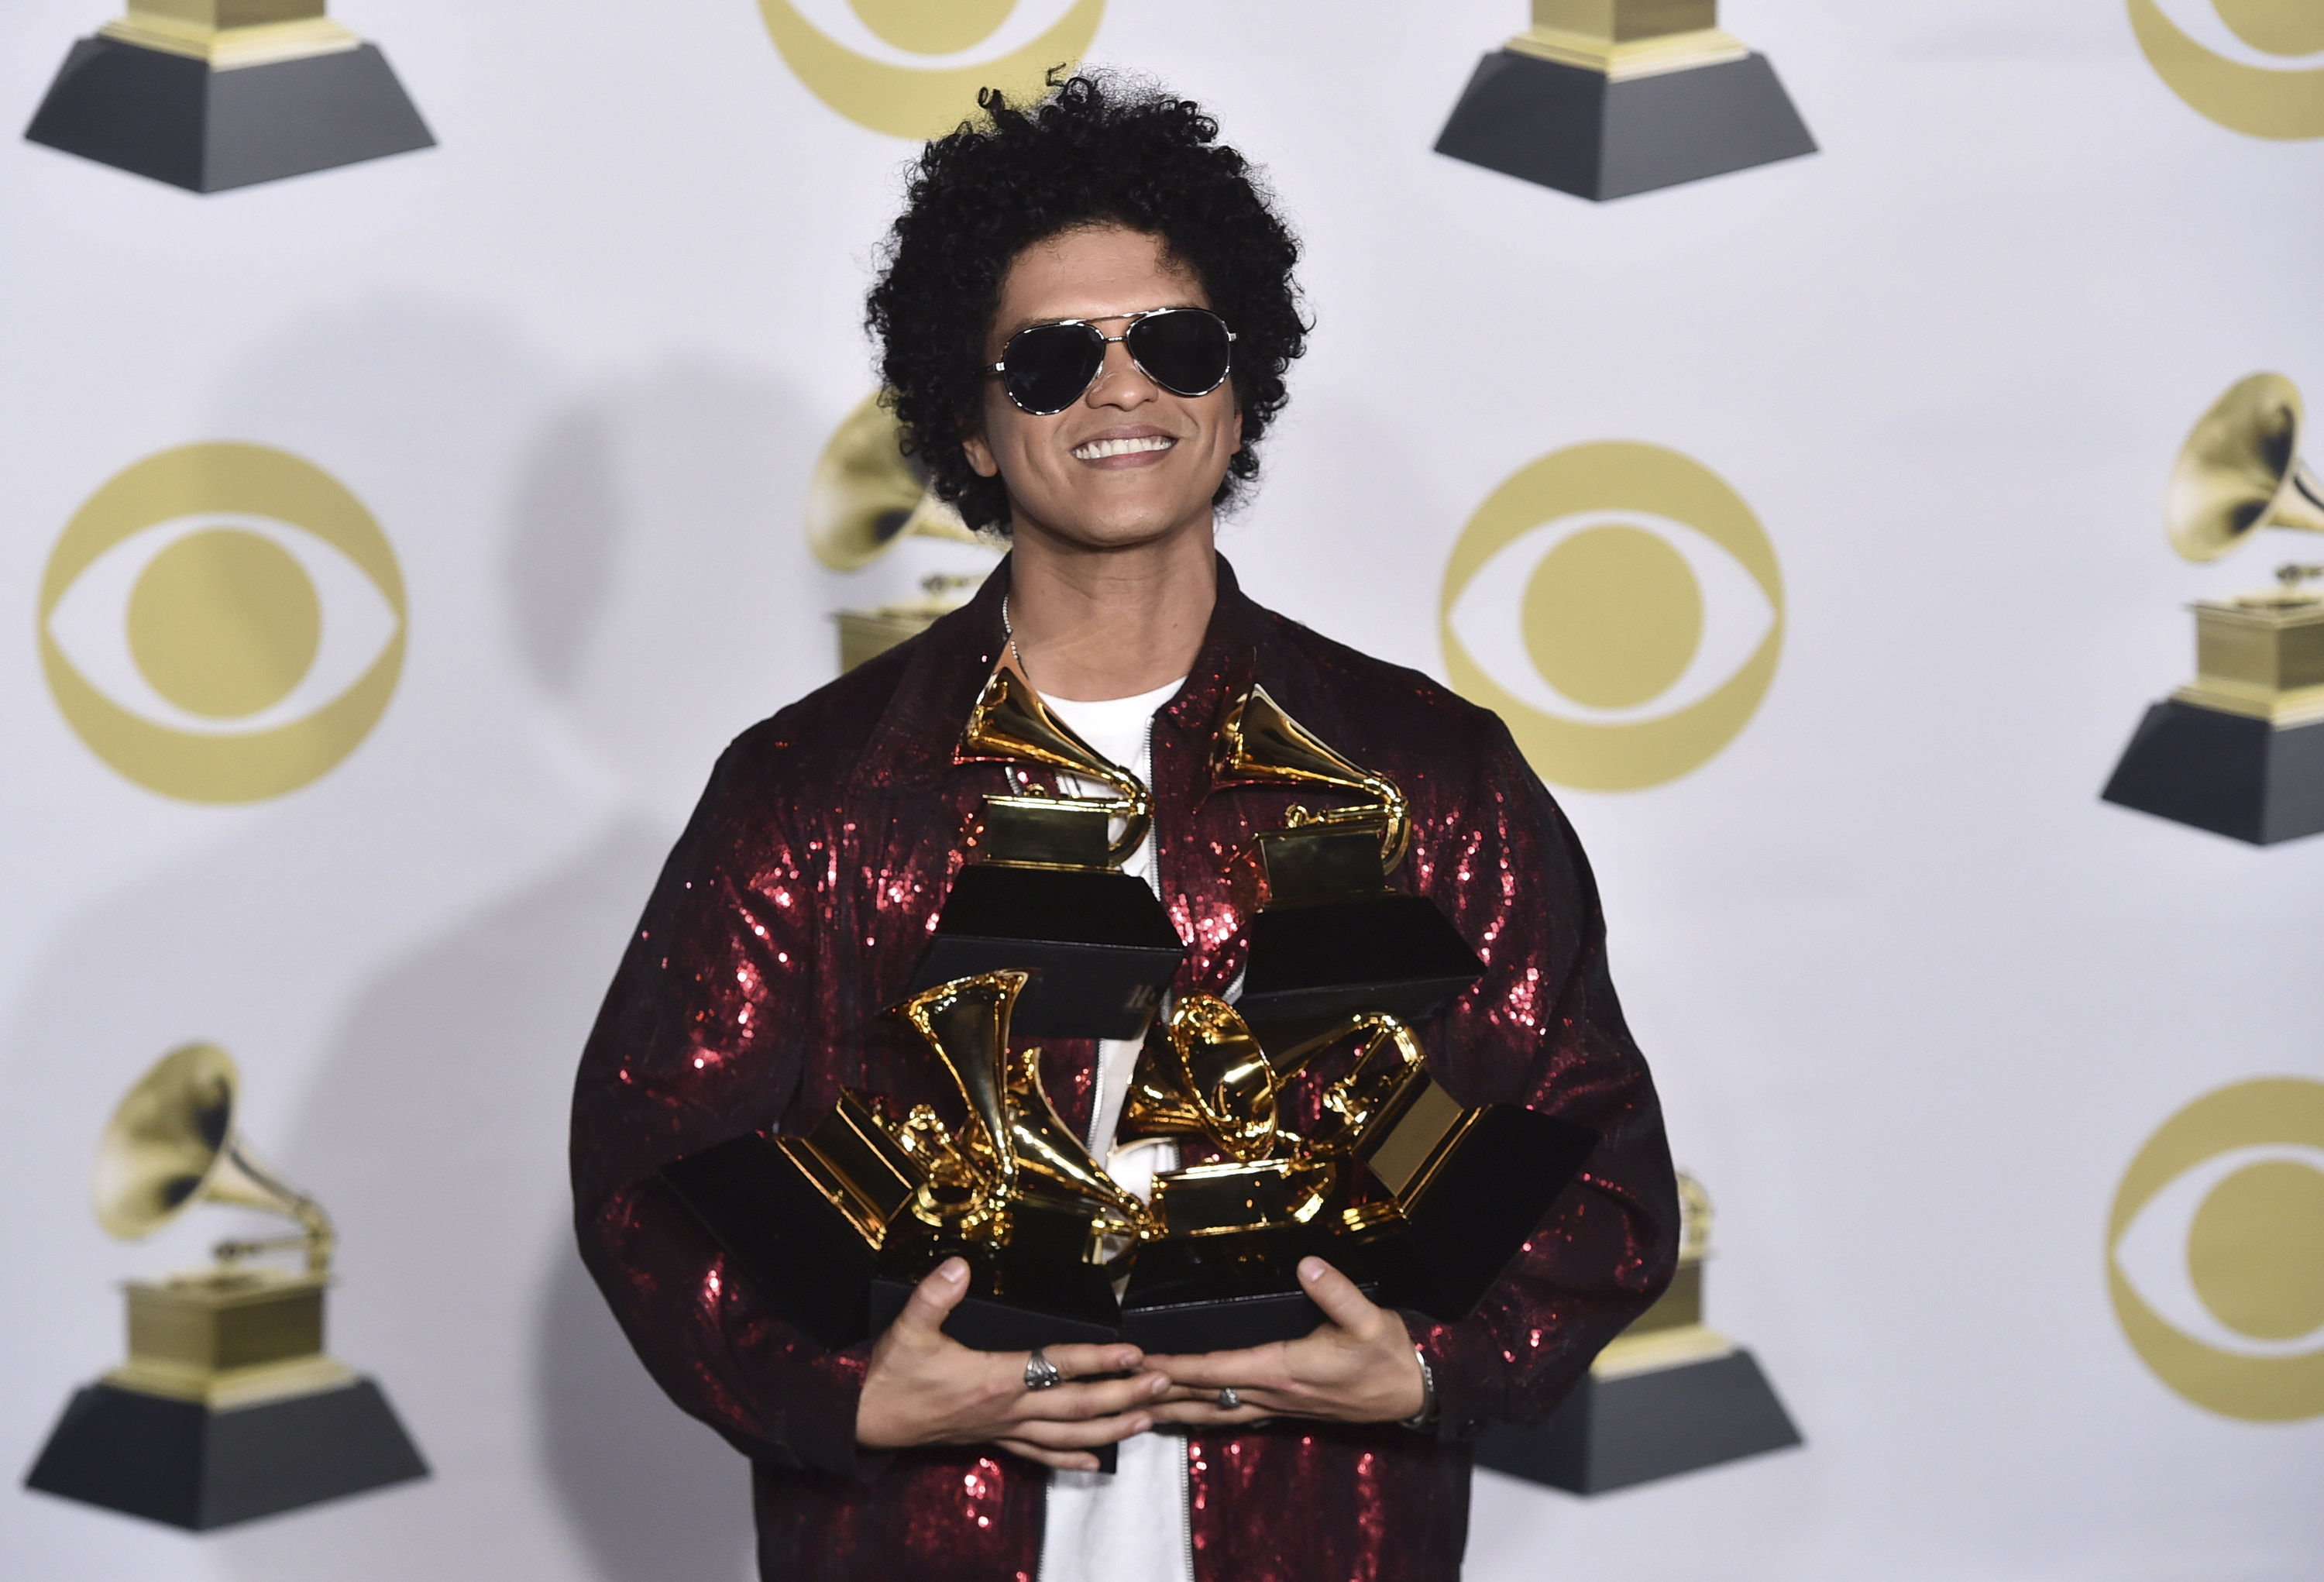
column 1426, row 1417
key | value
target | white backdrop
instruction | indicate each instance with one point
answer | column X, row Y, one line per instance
column 1913, row 996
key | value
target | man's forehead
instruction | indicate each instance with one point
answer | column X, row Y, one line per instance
column 1093, row 272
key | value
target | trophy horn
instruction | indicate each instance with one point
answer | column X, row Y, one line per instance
column 171, row 1143
column 1256, row 743
column 966, row 1023
column 1045, row 1147
column 866, row 495
column 1203, row 1073
column 2240, row 471
column 1010, row 722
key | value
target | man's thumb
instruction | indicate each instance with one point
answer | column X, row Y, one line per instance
column 934, row 1297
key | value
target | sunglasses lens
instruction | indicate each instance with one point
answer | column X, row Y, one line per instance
column 1186, row 351
column 1046, row 367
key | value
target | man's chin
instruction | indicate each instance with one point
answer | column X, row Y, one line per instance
column 1113, row 531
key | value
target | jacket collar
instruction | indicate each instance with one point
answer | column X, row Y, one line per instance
column 918, row 730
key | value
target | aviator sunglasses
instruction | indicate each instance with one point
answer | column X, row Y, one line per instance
column 1045, row 369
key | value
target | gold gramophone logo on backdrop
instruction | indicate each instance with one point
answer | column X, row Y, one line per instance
column 1620, row 608
column 2254, row 66
column 865, row 497
column 2239, row 750
column 2215, row 1251
column 229, row 1407
column 913, row 68
column 222, row 622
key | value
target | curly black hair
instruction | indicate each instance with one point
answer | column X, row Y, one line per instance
column 1093, row 151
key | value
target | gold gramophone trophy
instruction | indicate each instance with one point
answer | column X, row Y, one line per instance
column 2240, row 750
column 1603, row 98
column 1330, row 936
column 1418, row 1198
column 228, row 1408
column 213, row 93
column 1043, row 890
column 840, row 1224
column 865, row 497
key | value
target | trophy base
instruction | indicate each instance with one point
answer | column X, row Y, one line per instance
column 1225, row 1292
column 2233, row 774
column 200, row 1467
column 1388, row 951
column 1491, row 1191
column 1020, row 1296
column 788, row 1239
column 1621, row 1427
column 1598, row 137
column 180, row 120
column 1099, row 944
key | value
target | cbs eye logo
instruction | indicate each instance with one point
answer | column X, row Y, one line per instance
column 912, row 68
column 1620, row 608
column 222, row 622
column 2252, row 66
column 2215, row 1251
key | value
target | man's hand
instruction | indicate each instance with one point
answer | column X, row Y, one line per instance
column 1359, row 1367
column 925, row 1388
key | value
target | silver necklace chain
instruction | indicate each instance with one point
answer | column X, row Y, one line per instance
column 1009, row 631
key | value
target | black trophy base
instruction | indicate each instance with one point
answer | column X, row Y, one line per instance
column 1635, row 1428
column 1388, row 952
column 175, row 119
column 2228, row 773
column 1019, row 1297
column 187, row 1464
column 785, row 1237
column 1477, row 1210
column 1580, row 132
column 1225, row 1292
column 1099, row 944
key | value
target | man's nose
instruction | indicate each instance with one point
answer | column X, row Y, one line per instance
column 1119, row 381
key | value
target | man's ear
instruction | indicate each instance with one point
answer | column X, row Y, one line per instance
column 980, row 454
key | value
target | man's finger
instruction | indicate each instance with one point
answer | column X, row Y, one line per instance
column 1079, row 1402
column 1212, row 1370
column 1207, row 1413
column 1052, row 1435
column 934, row 1298
column 1082, row 1362
column 1337, row 1295
column 1065, row 1460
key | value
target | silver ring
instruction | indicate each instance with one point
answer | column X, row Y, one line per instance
column 1040, row 1373
column 1228, row 1400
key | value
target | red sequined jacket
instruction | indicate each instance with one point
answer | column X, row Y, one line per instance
column 794, row 909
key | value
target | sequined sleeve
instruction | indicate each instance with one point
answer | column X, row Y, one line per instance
column 700, row 1037
column 1543, row 1028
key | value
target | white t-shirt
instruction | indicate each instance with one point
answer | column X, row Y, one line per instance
column 1131, row 1527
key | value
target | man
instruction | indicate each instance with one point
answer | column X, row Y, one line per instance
column 1085, row 316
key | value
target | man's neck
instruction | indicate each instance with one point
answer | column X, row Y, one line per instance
column 1092, row 624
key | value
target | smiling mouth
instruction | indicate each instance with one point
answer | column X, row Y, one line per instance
column 1099, row 449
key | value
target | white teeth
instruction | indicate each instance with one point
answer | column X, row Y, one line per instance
column 1099, row 449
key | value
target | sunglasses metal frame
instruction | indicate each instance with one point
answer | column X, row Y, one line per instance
column 1134, row 320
